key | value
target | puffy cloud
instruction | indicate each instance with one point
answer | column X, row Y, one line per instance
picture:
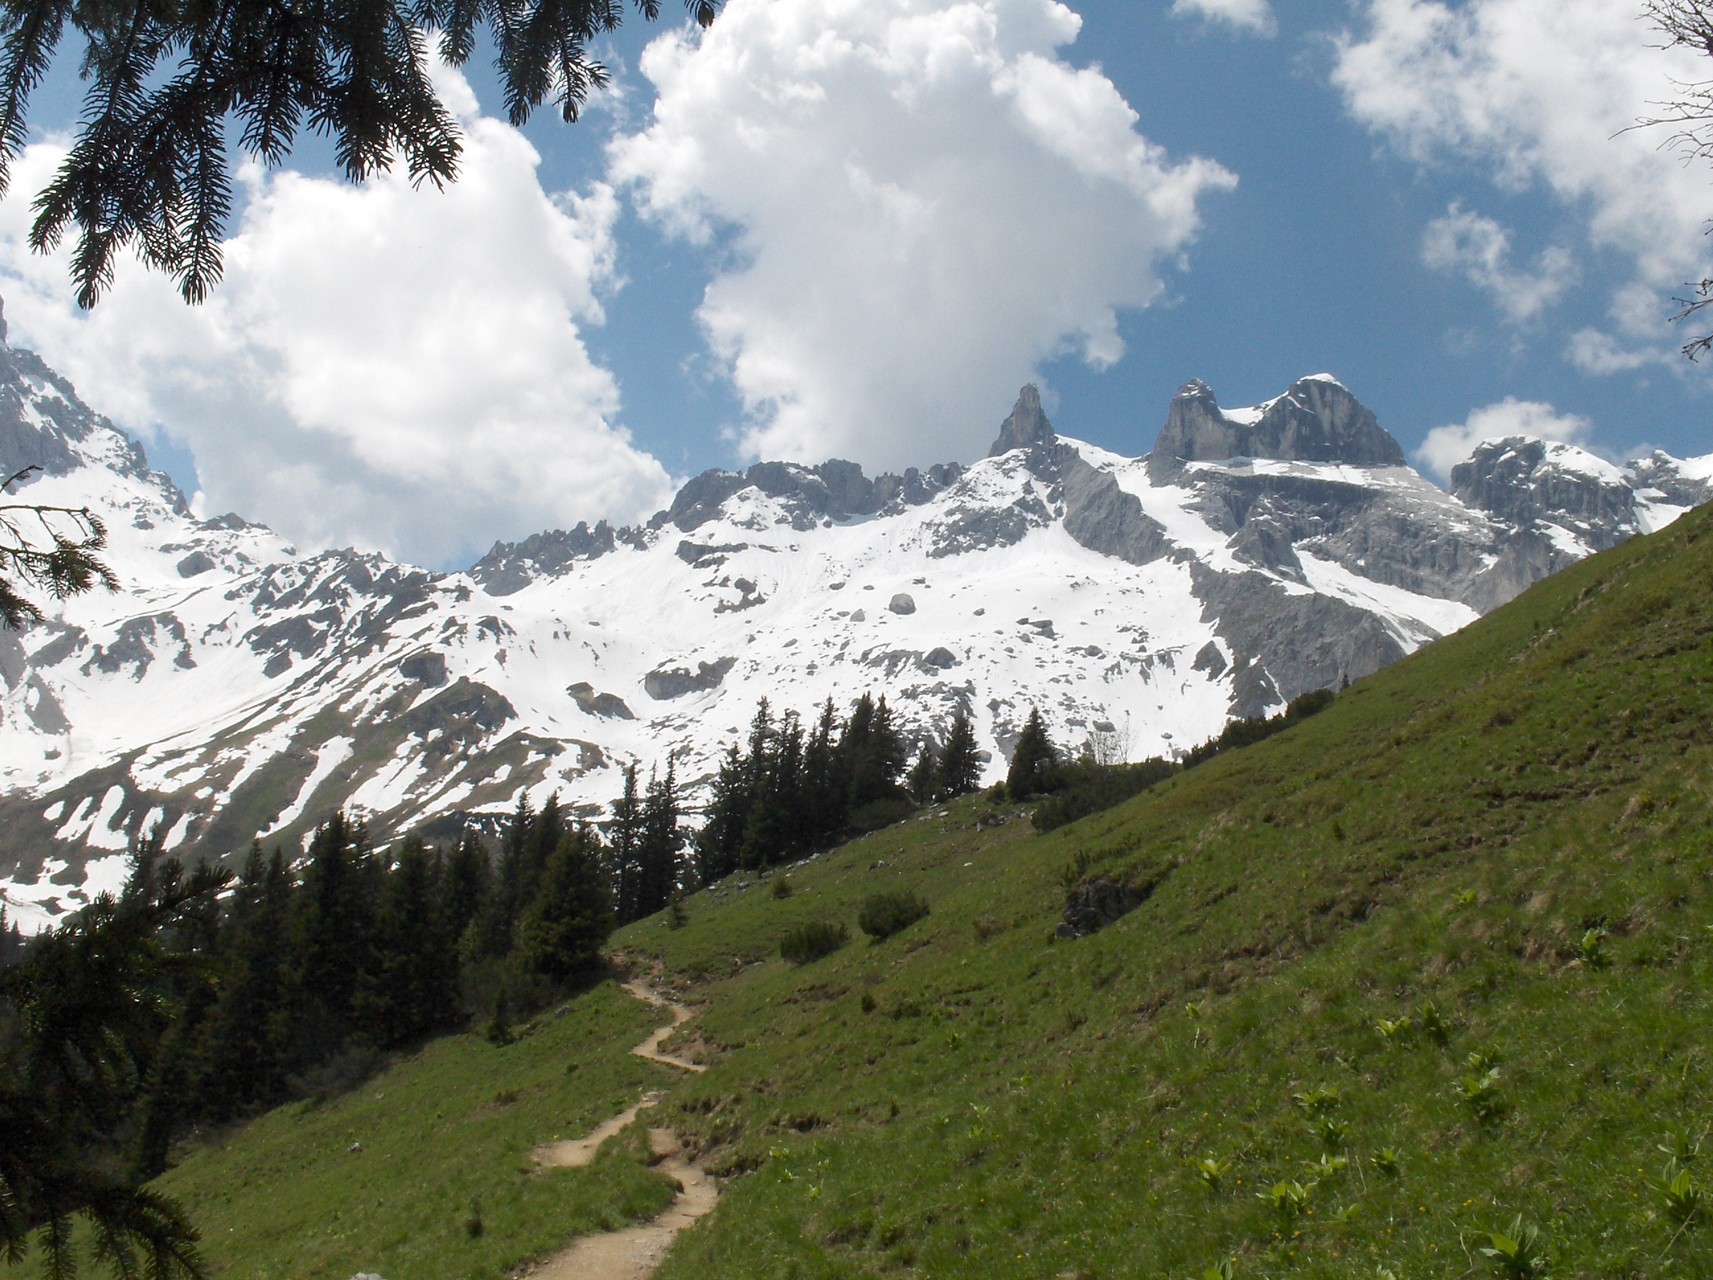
column 1445, row 447
column 1480, row 249
column 1253, row 16
column 914, row 203
column 1543, row 94
column 384, row 366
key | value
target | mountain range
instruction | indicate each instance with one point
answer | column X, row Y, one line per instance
column 237, row 687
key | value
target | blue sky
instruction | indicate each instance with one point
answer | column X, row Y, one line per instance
column 830, row 228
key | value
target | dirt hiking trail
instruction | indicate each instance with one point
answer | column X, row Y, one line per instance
column 634, row 1252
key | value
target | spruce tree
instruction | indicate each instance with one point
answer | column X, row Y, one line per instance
column 418, row 972
column 959, row 770
column 879, row 761
column 85, row 1010
column 624, row 850
column 336, row 936
column 720, row 840
column 661, row 843
column 464, row 885
column 248, row 1034
column 924, row 776
column 825, row 792
column 561, row 935
column 1031, row 760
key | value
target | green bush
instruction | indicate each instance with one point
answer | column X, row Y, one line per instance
column 884, row 914
column 879, row 813
column 812, row 940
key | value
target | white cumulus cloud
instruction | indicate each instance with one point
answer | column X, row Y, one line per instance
column 1253, row 16
column 913, row 203
column 1479, row 248
column 382, row 366
column 1446, row 446
column 1540, row 93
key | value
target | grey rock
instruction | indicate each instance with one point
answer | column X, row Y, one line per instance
column 13, row 662
column 940, row 658
column 135, row 645
column 44, row 708
column 858, row 615
column 1662, row 473
column 608, row 706
column 699, row 501
column 1284, row 643
column 1104, row 518
column 1210, row 659
column 194, row 563
column 707, row 555
column 1515, row 480
column 902, row 603
column 426, row 668
column 980, row 528
column 914, row 488
column 674, row 682
column 1316, row 420
column 511, row 566
column 458, row 719
column 1026, row 427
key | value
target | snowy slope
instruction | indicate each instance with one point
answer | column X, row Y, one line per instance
column 235, row 687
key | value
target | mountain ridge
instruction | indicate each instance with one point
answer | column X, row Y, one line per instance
column 241, row 687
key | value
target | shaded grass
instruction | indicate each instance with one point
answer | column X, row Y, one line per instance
column 447, row 1131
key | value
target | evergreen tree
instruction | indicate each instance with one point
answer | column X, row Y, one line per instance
column 164, row 1096
column 546, row 829
column 1031, row 760
column 624, row 850
column 561, row 935
column 418, row 972
column 81, row 1016
column 923, row 779
column 11, row 939
column 825, row 795
column 489, row 936
column 959, row 770
column 776, row 821
column 248, row 1033
column 878, row 762
column 661, row 843
column 464, row 885
column 720, row 840
column 336, row 936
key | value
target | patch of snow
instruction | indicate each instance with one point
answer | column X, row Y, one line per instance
column 333, row 753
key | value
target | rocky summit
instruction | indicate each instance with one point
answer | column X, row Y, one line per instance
column 236, row 687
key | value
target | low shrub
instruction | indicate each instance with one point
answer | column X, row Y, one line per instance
column 812, row 940
column 884, row 914
column 879, row 813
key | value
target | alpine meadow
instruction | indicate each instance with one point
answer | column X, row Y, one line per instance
column 1332, row 1037
column 791, row 675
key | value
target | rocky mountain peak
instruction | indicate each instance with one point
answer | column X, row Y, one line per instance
column 1522, row 480
column 1315, row 420
column 1027, row 427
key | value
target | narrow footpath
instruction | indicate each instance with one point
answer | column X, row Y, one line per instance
column 633, row 1253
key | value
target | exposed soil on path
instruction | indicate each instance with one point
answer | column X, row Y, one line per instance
column 634, row 1252
column 650, row 1048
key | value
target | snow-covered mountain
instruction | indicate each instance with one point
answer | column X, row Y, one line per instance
column 236, row 687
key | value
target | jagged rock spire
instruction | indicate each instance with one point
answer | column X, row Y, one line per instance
column 1027, row 426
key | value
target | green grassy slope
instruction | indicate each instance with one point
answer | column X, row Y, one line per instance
column 444, row 1136
column 1502, row 847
